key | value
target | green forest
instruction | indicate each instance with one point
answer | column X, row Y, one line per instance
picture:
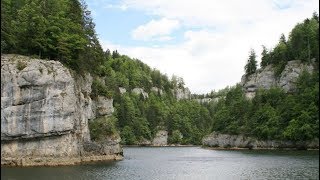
column 63, row 30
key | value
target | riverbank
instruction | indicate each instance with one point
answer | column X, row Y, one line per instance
column 237, row 148
column 170, row 145
column 226, row 141
column 56, row 161
column 170, row 163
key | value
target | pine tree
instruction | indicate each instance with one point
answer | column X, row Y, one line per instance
column 251, row 65
column 265, row 57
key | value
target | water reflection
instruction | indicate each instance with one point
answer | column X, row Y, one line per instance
column 184, row 163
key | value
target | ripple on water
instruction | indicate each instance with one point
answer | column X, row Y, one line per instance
column 184, row 163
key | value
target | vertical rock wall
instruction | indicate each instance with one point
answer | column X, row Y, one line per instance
column 265, row 78
column 45, row 112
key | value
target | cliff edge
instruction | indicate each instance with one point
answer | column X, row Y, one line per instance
column 265, row 78
column 45, row 109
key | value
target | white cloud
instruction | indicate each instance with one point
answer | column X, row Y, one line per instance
column 122, row 7
column 214, row 55
column 163, row 38
column 217, row 12
column 155, row 29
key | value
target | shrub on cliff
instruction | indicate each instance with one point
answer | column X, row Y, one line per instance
column 102, row 127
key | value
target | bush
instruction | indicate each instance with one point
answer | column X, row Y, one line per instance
column 176, row 137
column 102, row 127
column 100, row 89
column 127, row 136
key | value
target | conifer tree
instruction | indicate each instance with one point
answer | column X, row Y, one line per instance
column 265, row 57
column 251, row 65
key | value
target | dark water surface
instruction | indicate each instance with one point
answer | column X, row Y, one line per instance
column 184, row 163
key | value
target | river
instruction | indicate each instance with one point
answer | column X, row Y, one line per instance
column 183, row 163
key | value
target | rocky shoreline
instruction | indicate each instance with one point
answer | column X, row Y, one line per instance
column 168, row 145
column 239, row 149
column 54, row 161
column 226, row 141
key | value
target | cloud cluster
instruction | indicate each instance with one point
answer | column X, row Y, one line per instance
column 156, row 30
column 218, row 36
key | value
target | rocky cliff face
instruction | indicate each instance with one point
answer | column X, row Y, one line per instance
column 45, row 112
column 161, row 138
column 240, row 141
column 265, row 78
column 207, row 100
column 182, row 93
column 157, row 90
column 140, row 91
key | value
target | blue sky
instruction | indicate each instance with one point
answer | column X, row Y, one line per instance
column 116, row 24
column 206, row 42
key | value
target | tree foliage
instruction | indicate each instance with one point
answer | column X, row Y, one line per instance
column 62, row 30
column 251, row 65
column 302, row 44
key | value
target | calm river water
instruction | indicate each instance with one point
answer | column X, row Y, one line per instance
column 184, row 163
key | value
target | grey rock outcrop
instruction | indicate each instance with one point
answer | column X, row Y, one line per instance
column 110, row 145
column 265, row 78
column 104, row 106
column 144, row 142
column 139, row 91
column 240, row 141
column 182, row 93
column 45, row 112
column 122, row 90
column 161, row 138
column 157, row 90
column 291, row 73
column 207, row 100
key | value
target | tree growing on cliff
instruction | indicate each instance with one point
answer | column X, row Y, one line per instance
column 251, row 65
column 304, row 39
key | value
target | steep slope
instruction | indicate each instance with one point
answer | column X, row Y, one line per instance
column 265, row 78
column 45, row 112
column 272, row 112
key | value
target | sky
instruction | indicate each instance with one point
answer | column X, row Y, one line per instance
column 206, row 42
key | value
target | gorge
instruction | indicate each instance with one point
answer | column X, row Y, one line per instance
column 65, row 100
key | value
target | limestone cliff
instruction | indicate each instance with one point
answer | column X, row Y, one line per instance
column 180, row 93
column 161, row 138
column 45, row 110
column 265, row 78
column 207, row 100
column 240, row 141
column 139, row 91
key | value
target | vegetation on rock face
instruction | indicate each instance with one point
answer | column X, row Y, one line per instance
column 302, row 44
column 274, row 114
column 63, row 30
column 251, row 65
column 102, row 127
column 140, row 118
column 271, row 114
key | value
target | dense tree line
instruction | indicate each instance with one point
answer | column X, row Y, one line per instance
column 302, row 44
column 62, row 30
column 271, row 114
column 122, row 71
column 274, row 114
column 139, row 118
